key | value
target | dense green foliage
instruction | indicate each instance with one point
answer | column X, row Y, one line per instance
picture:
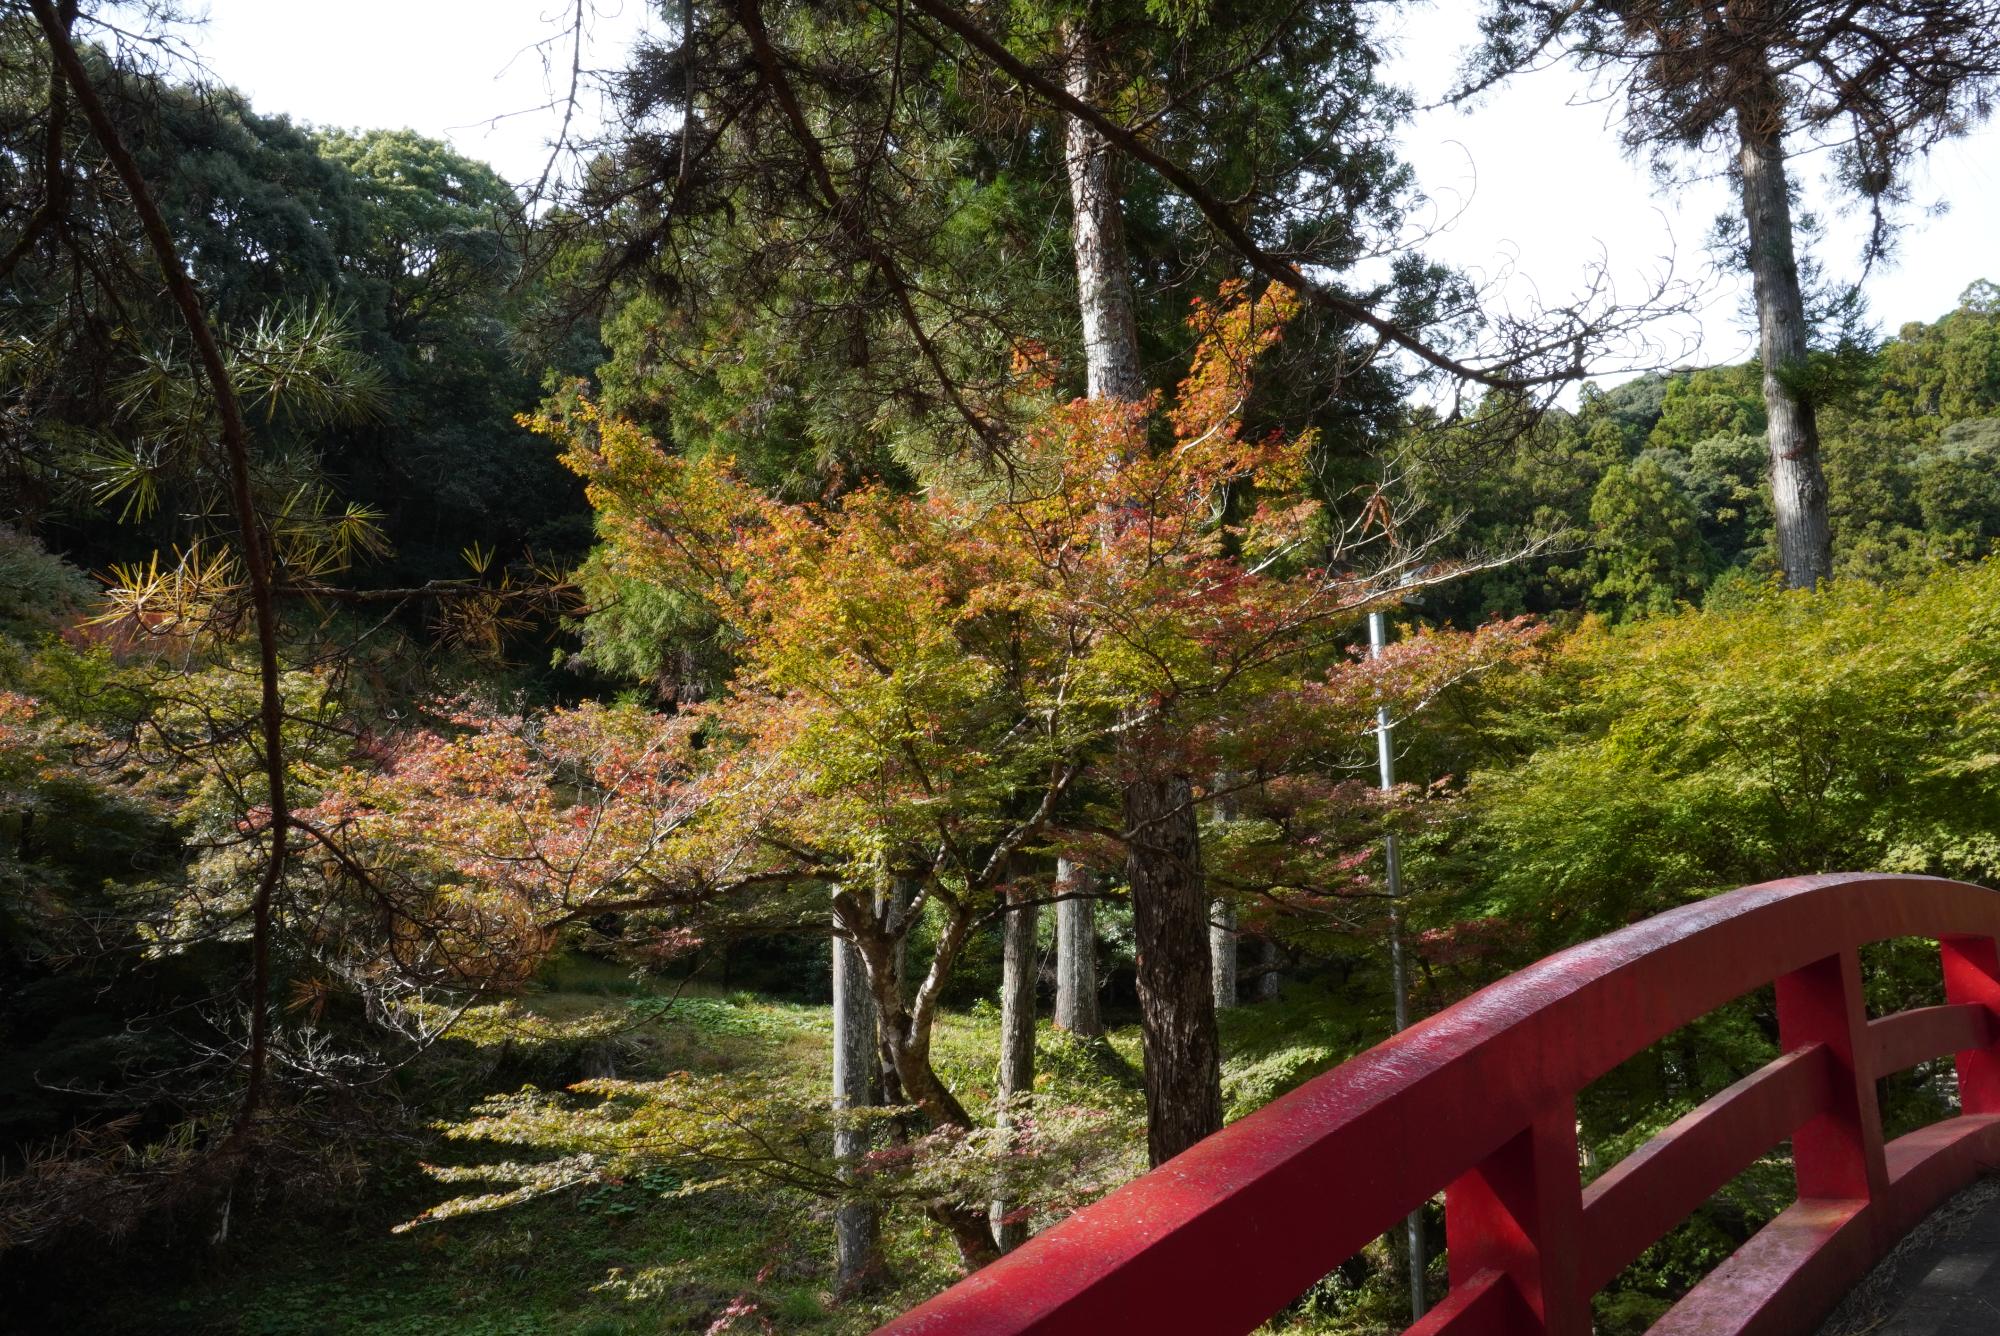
column 1652, row 493
column 393, row 249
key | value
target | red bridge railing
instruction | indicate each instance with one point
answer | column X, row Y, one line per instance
column 1480, row 1101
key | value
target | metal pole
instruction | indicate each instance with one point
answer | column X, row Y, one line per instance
column 1392, row 864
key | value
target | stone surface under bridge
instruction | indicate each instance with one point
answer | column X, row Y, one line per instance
column 1943, row 1280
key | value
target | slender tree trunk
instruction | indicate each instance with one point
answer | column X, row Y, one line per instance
column 1176, row 1004
column 258, row 567
column 1017, row 1038
column 1269, row 982
column 903, row 1022
column 1111, row 370
column 902, row 895
column 1170, row 912
column 1103, row 269
column 856, row 1229
column 1222, row 953
column 892, row 907
column 1798, row 481
column 1076, row 952
column 1222, row 915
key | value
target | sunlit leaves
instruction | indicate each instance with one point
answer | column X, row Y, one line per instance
column 1853, row 728
column 920, row 669
column 694, row 1133
column 919, row 688
column 489, row 831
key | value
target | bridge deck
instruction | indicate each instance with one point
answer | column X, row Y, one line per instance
column 1942, row 1280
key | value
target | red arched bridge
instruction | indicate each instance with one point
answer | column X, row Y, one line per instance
column 1479, row 1101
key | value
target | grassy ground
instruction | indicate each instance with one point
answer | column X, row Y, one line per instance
column 636, row 1256
column 623, row 1259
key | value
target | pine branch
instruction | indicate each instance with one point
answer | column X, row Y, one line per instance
column 256, row 546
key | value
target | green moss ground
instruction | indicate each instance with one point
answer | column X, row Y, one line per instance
column 621, row 1259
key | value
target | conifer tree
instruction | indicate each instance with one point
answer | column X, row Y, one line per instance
column 1879, row 83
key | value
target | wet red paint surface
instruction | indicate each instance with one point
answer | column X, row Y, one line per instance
column 1479, row 1102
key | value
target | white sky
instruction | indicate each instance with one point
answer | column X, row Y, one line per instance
column 1534, row 175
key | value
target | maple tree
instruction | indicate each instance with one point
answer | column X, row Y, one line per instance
column 925, row 687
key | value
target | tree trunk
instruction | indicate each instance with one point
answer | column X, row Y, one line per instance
column 1170, row 913
column 892, row 907
column 1076, row 952
column 1222, row 914
column 1269, row 980
column 903, row 1023
column 1222, row 953
column 56, row 20
column 1017, row 1038
column 856, row 1229
column 1103, row 270
column 1111, row 371
column 1798, row 482
column 1176, row 1003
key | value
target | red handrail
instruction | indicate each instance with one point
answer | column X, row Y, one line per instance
column 1480, row 1101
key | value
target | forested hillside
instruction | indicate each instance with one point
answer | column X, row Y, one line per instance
column 712, row 746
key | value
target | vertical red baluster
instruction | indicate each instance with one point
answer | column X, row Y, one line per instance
column 1521, row 1212
column 1838, row 1153
column 1972, row 974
